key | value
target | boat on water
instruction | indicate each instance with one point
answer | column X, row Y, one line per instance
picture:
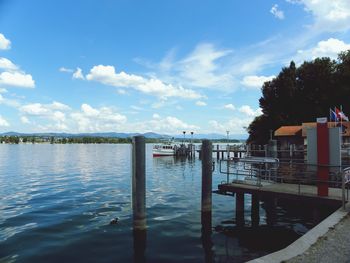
column 164, row 149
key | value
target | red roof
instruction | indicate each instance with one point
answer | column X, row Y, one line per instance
column 288, row 131
column 301, row 130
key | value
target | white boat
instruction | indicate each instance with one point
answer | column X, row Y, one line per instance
column 164, row 149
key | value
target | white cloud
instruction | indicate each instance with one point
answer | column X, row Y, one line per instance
column 44, row 110
column 91, row 119
column 255, row 82
column 276, row 12
column 3, row 122
column 333, row 16
column 247, row 110
column 156, row 116
column 58, row 106
column 7, row 64
column 326, row 48
column 169, row 125
column 202, row 67
column 17, row 79
column 4, row 42
column 137, row 108
column 234, row 126
column 35, row 109
column 2, row 90
column 67, row 70
column 121, row 91
column 229, row 106
column 25, row 120
column 107, row 75
column 11, row 75
column 78, row 74
column 200, row 103
column 9, row 102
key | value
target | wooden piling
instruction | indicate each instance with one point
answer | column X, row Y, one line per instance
column 255, row 210
column 139, row 182
column 240, row 209
column 217, row 152
column 207, row 242
column 270, row 207
column 207, row 151
column 140, row 240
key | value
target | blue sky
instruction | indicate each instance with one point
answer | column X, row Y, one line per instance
column 161, row 66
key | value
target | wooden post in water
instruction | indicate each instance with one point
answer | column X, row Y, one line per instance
column 139, row 182
column 255, row 210
column 270, row 207
column 207, row 151
column 240, row 209
column 217, row 152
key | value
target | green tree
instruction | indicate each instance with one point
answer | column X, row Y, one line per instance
column 301, row 94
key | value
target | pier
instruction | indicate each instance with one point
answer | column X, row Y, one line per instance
column 222, row 151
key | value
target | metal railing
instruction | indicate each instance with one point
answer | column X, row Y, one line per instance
column 261, row 170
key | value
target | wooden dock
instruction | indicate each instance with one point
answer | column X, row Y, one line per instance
column 298, row 192
column 270, row 193
column 235, row 151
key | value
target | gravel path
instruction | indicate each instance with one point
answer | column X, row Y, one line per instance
column 334, row 247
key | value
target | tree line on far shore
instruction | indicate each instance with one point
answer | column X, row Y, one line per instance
column 89, row 140
column 301, row 94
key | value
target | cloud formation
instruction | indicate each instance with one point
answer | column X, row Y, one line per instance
column 108, row 76
column 3, row 122
column 78, row 74
column 277, row 12
column 4, row 42
column 16, row 79
column 255, row 82
column 331, row 16
column 325, row 48
column 201, row 103
column 229, row 106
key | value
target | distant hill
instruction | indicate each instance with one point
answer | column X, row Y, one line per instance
column 149, row 135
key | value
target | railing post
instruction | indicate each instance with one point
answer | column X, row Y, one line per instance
column 139, row 182
column 217, row 152
column 207, row 151
column 343, row 189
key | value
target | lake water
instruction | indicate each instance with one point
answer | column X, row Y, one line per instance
column 57, row 201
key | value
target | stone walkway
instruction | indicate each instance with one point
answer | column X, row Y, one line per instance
column 332, row 247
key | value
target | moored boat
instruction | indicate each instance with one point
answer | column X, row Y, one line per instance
column 164, row 149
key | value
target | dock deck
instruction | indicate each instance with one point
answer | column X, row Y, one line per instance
column 283, row 190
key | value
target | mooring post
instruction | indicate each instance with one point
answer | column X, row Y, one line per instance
column 217, row 152
column 255, row 210
column 240, row 209
column 207, row 162
column 139, row 182
column 140, row 240
column 270, row 207
column 207, row 242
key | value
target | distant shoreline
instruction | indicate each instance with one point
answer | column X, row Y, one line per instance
column 95, row 140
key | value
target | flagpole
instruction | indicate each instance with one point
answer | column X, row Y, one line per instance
column 336, row 117
column 341, row 128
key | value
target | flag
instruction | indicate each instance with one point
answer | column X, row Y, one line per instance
column 343, row 116
column 340, row 114
column 333, row 116
column 337, row 111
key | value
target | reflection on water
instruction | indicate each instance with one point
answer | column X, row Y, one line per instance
column 56, row 203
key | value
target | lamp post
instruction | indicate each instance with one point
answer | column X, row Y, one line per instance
column 184, row 132
column 191, row 137
column 227, row 132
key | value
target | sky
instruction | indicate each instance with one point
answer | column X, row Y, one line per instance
column 154, row 66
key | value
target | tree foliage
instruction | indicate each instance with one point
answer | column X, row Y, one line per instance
column 301, row 94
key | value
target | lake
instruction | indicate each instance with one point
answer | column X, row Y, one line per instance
column 57, row 201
